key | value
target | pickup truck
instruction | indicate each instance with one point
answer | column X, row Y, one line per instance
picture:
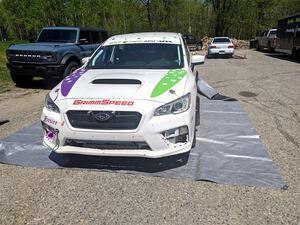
column 57, row 52
column 267, row 39
column 288, row 36
column 192, row 42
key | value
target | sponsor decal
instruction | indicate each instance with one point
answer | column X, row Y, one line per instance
column 49, row 120
column 102, row 102
column 70, row 80
column 140, row 41
column 169, row 80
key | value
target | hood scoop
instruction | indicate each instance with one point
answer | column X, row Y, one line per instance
column 117, row 81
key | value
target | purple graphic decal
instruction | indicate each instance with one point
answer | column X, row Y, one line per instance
column 70, row 80
column 51, row 136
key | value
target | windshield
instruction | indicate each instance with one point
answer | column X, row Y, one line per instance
column 137, row 56
column 273, row 32
column 221, row 40
column 66, row 36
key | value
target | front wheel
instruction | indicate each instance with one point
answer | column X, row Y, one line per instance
column 70, row 68
column 197, row 121
column 270, row 49
column 257, row 46
column 296, row 54
column 20, row 80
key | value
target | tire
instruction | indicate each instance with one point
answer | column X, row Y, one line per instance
column 194, row 139
column 197, row 111
column 197, row 121
column 21, row 80
column 257, row 46
column 270, row 49
column 70, row 68
column 295, row 54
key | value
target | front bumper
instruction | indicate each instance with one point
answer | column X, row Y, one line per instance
column 220, row 51
column 42, row 70
column 150, row 131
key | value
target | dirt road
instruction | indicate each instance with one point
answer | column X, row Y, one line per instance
column 268, row 88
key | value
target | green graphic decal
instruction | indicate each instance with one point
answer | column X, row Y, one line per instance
column 168, row 81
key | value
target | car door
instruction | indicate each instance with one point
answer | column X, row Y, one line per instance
column 96, row 40
column 85, row 43
column 264, row 39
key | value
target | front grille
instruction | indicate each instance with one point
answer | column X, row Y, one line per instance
column 104, row 120
column 111, row 145
column 27, row 56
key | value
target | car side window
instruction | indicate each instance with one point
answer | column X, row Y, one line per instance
column 95, row 37
column 84, row 38
column 103, row 36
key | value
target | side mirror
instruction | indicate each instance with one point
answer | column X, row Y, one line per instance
column 85, row 60
column 198, row 59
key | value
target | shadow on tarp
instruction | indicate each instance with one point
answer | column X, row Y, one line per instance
column 223, row 98
column 119, row 163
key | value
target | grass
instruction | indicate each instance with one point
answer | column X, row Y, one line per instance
column 5, row 80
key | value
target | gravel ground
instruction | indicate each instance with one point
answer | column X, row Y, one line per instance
column 268, row 88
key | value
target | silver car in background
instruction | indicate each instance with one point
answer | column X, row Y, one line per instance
column 220, row 46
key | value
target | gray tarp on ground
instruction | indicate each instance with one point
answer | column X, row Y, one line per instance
column 205, row 89
column 228, row 151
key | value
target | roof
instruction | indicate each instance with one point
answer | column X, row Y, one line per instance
column 290, row 16
column 147, row 37
column 72, row 28
column 221, row 37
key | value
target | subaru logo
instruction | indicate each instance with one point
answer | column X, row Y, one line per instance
column 102, row 116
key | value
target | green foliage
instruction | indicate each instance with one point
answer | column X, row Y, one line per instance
column 4, row 73
column 23, row 19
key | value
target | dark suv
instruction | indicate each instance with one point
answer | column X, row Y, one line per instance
column 192, row 42
column 57, row 52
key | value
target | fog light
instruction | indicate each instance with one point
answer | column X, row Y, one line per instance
column 176, row 135
column 50, row 133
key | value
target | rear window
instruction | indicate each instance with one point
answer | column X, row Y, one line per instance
column 273, row 32
column 221, row 40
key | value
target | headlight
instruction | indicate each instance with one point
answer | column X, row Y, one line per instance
column 50, row 105
column 49, row 57
column 177, row 106
column 9, row 55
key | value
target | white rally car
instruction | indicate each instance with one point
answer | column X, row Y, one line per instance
column 135, row 96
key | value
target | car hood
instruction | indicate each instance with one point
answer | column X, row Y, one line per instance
column 42, row 46
column 123, row 84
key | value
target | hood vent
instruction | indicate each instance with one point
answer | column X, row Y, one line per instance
column 117, row 81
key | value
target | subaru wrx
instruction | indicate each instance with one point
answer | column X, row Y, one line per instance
column 135, row 96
